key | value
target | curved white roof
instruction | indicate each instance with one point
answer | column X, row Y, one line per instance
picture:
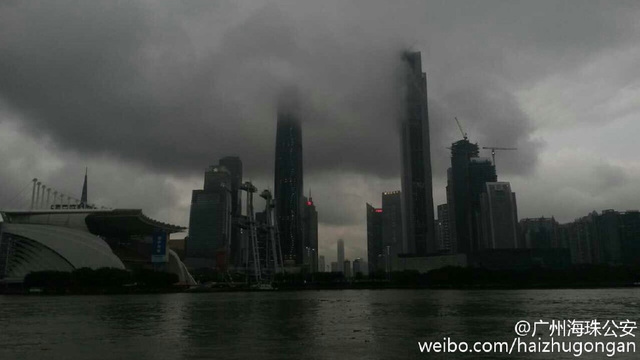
column 78, row 248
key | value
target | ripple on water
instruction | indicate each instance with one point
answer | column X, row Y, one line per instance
column 373, row 324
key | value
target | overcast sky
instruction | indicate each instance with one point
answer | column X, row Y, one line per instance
column 147, row 94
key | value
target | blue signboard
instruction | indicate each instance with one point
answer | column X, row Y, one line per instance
column 159, row 247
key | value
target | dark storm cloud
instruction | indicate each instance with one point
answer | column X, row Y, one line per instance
column 491, row 117
column 108, row 78
column 171, row 87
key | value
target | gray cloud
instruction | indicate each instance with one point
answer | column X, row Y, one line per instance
column 166, row 88
column 133, row 82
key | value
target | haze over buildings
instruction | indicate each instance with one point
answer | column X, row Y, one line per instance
column 157, row 97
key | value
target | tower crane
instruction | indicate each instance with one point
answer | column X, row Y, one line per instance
column 493, row 151
column 464, row 134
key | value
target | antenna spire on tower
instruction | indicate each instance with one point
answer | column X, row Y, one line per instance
column 83, row 198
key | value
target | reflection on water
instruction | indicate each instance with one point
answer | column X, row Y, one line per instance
column 376, row 324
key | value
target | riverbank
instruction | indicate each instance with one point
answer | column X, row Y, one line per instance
column 113, row 281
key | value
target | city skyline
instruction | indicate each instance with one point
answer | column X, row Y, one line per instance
column 504, row 73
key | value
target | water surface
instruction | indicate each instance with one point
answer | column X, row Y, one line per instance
column 349, row 324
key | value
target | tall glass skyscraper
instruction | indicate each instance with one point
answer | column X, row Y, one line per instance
column 392, row 221
column 481, row 172
column 375, row 245
column 234, row 165
column 341, row 255
column 459, row 195
column 208, row 244
column 500, row 217
column 288, row 183
column 310, row 234
column 467, row 179
column 417, row 189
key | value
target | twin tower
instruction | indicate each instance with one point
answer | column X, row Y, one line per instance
column 417, row 194
column 214, row 237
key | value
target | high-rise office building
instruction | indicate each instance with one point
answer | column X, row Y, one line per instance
column 607, row 238
column 347, row 268
column 443, row 229
column 364, row 267
column 217, row 178
column 234, row 165
column 459, row 195
column 580, row 236
column 208, row 244
column 481, row 172
column 321, row 264
column 392, row 222
column 357, row 267
column 417, row 192
column 609, row 246
column 334, row 266
column 263, row 233
column 630, row 237
column 539, row 233
column 310, row 234
column 288, row 182
column 238, row 251
column 375, row 245
column 340, row 255
column 499, row 217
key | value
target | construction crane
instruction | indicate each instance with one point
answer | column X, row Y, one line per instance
column 253, row 238
column 493, row 151
column 464, row 134
column 274, row 236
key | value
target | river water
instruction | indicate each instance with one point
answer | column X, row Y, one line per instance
column 348, row 324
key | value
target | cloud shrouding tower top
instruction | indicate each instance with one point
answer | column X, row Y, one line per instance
column 170, row 87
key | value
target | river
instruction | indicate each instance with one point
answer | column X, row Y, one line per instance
column 347, row 324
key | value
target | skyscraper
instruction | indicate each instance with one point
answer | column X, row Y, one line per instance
column 392, row 222
column 263, row 233
column 500, row 217
column 444, row 230
column 310, row 234
column 340, row 255
column 288, row 182
column 610, row 250
column 375, row 246
column 346, row 268
column 321, row 264
column 540, row 233
column 459, row 195
column 357, row 267
column 234, row 165
column 481, row 172
column 208, row 244
column 417, row 189
column 630, row 237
